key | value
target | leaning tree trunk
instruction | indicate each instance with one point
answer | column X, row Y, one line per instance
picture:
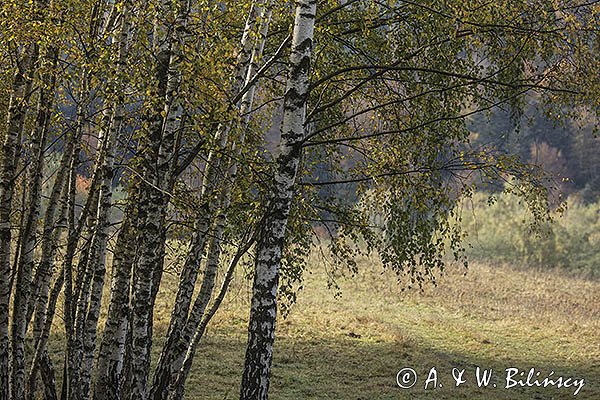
column 43, row 273
column 97, row 262
column 181, row 328
column 84, row 295
column 40, row 360
column 9, row 152
column 177, row 386
column 70, row 377
column 96, row 267
column 142, row 221
column 263, row 311
column 193, row 331
column 28, row 240
column 112, row 346
column 159, row 145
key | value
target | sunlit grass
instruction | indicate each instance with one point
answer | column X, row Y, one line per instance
column 352, row 347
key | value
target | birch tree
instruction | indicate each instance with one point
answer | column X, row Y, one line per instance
column 185, row 321
column 403, row 116
column 21, row 91
column 263, row 312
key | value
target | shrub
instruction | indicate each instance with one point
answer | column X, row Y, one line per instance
column 499, row 232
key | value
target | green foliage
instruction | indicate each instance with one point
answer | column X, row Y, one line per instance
column 394, row 87
column 417, row 230
column 501, row 232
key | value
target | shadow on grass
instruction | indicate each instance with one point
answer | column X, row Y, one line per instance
column 352, row 368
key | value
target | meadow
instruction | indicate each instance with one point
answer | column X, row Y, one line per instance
column 352, row 346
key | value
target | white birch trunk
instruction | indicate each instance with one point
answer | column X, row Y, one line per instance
column 191, row 332
column 97, row 262
column 174, row 349
column 71, row 377
column 112, row 346
column 43, row 272
column 153, row 201
column 261, row 329
column 176, row 389
column 41, row 353
column 29, row 233
column 9, row 154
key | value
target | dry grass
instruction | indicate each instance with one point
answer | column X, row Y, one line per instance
column 352, row 347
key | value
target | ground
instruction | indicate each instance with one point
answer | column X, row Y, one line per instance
column 352, row 347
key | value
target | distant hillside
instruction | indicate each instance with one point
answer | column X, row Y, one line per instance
column 569, row 150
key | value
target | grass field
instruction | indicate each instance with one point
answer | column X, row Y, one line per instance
column 352, row 347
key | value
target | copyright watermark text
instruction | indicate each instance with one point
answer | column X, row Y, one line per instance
column 508, row 378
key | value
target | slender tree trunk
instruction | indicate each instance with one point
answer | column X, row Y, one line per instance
column 43, row 274
column 82, row 280
column 173, row 351
column 190, row 329
column 40, row 359
column 45, row 314
column 97, row 263
column 17, row 110
column 75, row 294
column 177, row 386
column 71, row 376
column 40, row 134
column 110, row 358
column 151, row 209
column 48, row 377
column 261, row 327
column 214, row 250
column 23, row 303
column 157, row 155
column 112, row 346
column 105, row 162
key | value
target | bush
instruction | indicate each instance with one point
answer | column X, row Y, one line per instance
column 500, row 232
